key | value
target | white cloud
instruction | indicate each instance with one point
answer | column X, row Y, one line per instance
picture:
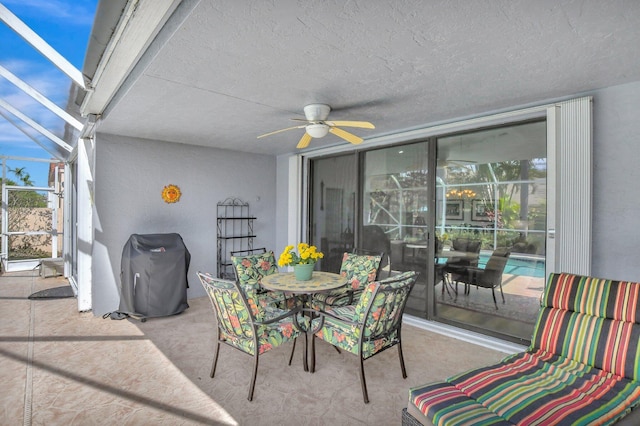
column 77, row 12
column 32, row 109
column 43, row 77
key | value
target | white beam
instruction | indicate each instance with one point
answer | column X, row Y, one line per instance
column 34, row 125
column 139, row 24
column 26, row 88
column 41, row 46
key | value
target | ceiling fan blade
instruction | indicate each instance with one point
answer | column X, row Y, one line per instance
column 361, row 124
column 304, row 141
column 460, row 164
column 349, row 137
column 281, row 130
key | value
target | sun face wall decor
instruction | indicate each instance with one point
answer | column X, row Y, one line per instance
column 171, row 194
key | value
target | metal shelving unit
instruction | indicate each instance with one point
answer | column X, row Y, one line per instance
column 235, row 232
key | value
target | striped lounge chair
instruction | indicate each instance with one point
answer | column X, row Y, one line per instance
column 582, row 367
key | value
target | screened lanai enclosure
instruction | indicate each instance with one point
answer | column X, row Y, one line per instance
column 443, row 206
column 31, row 219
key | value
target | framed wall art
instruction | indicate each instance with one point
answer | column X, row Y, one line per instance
column 479, row 211
column 454, row 209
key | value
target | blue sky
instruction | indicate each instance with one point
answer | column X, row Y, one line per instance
column 65, row 25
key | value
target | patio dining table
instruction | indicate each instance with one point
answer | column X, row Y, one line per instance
column 449, row 255
column 303, row 290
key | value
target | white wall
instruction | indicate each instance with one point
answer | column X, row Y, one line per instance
column 130, row 176
column 616, row 191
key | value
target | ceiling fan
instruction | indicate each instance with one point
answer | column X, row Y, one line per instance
column 317, row 126
column 445, row 162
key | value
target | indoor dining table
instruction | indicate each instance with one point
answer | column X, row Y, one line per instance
column 303, row 290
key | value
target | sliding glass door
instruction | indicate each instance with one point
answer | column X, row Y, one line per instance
column 491, row 197
column 443, row 206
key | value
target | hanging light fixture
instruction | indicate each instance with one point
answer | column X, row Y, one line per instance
column 317, row 130
column 460, row 193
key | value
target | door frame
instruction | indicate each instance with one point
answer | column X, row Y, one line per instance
column 28, row 264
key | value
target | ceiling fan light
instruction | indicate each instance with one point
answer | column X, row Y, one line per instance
column 317, row 130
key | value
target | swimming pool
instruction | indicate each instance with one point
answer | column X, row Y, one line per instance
column 519, row 265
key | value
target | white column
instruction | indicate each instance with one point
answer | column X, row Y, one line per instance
column 85, row 222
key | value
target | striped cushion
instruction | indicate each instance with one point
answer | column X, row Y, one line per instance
column 582, row 368
column 592, row 321
column 617, row 300
column 444, row 404
column 531, row 389
column 612, row 346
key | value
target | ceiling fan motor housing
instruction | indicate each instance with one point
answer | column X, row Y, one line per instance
column 317, row 112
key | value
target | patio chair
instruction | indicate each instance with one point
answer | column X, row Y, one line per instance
column 488, row 277
column 370, row 326
column 459, row 264
column 358, row 270
column 472, row 250
column 245, row 325
column 249, row 270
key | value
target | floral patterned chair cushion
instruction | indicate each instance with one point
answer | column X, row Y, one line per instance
column 346, row 323
column 372, row 324
column 358, row 270
column 247, row 326
column 249, row 271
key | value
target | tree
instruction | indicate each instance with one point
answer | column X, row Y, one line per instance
column 22, row 175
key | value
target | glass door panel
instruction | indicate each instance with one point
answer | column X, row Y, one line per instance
column 395, row 209
column 334, row 186
column 491, row 195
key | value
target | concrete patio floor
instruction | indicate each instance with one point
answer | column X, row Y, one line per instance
column 62, row 367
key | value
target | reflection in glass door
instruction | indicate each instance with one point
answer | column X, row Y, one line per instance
column 395, row 209
column 334, row 185
column 487, row 195
column 490, row 203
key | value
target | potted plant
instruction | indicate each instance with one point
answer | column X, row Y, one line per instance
column 303, row 261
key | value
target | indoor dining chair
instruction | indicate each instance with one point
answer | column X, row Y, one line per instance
column 374, row 239
column 245, row 325
column 370, row 326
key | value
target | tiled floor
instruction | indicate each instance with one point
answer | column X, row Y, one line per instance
column 61, row 367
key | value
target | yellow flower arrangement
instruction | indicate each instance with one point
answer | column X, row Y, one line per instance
column 306, row 255
column 171, row 194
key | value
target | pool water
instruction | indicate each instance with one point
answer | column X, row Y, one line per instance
column 529, row 267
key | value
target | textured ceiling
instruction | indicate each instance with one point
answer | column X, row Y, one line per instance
column 237, row 69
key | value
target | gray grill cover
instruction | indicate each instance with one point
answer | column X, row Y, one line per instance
column 153, row 275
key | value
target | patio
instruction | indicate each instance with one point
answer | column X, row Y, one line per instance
column 59, row 366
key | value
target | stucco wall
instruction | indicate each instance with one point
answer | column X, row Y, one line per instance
column 130, row 176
